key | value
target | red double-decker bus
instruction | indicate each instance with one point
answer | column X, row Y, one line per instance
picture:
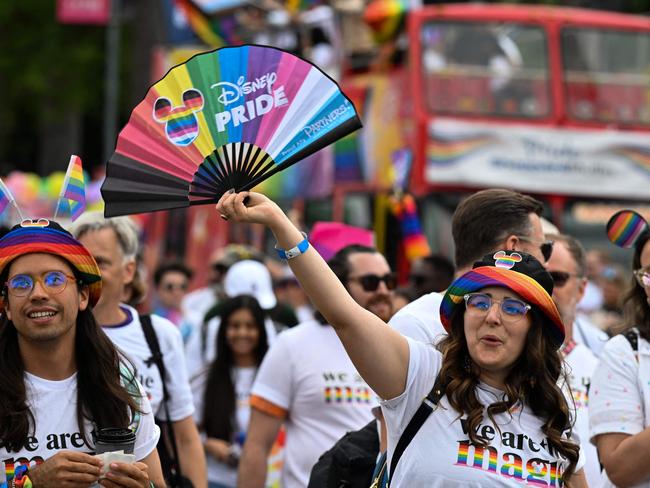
column 547, row 100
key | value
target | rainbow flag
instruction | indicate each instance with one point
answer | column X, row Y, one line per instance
column 6, row 198
column 414, row 240
column 199, row 23
column 73, row 193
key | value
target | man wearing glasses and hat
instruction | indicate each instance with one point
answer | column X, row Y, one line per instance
column 61, row 378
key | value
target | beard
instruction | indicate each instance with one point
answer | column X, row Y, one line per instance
column 381, row 306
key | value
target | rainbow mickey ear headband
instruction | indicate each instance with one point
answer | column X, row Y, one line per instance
column 625, row 227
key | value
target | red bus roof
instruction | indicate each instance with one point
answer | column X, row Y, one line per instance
column 535, row 13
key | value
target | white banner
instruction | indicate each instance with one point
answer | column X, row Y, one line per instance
column 601, row 163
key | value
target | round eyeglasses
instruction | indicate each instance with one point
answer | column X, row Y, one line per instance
column 54, row 282
column 512, row 310
column 642, row 276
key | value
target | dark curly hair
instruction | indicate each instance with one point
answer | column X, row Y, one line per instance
column 533, row 380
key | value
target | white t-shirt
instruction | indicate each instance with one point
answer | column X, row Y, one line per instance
column 54, row 406
column 200, row 354
column 308, row 375
column 620, row 392
column 420, row 319
column 219, row 472
column 440, row 454
column 129, row 338
column 585, row 332
column 580, row 365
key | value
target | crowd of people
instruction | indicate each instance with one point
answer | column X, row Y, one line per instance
column 517, row 361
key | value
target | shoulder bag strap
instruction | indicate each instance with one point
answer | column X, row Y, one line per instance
column 418, row 419
column 157, row 359
column 633, row 338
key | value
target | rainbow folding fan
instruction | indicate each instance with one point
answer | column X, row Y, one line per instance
column 229, row 118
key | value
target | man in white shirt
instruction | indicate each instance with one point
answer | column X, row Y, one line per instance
column 487, row 221
column 308, row 382
column 61, row 376
column 567, row 267
column 114, row 245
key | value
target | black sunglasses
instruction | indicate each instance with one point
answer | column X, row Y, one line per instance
column 560, row 278
column 370, row 282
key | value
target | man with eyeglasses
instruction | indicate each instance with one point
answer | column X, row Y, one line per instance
column 583, row 341
column 483, row 223
column 308, row 382
column 114, row 244
column 61, row 377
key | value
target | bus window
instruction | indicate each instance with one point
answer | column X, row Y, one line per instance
column 607, row 75
column 494, row 69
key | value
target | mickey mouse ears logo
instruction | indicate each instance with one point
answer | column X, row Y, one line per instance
column 506, row 261
column 625, row 227
column 35, row 223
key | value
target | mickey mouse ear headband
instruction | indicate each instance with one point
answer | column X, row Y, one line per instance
column 625, row 227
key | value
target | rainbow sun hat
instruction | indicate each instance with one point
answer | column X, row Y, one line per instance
column 45, row 236
column 515, row 270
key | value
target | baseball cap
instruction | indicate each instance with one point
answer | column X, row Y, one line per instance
column 46, row 236
column 515, row 270
column 250, row 277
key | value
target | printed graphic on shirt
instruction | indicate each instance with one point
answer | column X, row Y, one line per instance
column 343, row 387
column 50, row 443
column 509, row 460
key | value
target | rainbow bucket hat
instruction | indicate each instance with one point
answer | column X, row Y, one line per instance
column 45, row 236
column 515, row 270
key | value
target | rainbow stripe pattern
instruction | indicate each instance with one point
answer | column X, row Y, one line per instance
column 385, row 18
column 506, row 261
column 443, row 151
column 263, row 110
column 625, row 227
column 525, row 286
column 415, row 242
column 74, row 187
column 51, row 238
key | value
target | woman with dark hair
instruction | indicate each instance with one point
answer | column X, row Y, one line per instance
column 620, row 387
column 223, row 388
column 496, row 415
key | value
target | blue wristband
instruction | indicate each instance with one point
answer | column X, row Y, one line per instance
column 301, row 248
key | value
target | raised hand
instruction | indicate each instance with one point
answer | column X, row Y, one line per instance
column 249, row 207
column 66, row 469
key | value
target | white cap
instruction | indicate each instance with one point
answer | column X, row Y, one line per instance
column 250, row 278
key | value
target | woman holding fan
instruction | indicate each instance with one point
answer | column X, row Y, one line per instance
column 495, row 408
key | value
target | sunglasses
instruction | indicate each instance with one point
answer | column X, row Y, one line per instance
column 512, row 310
column 546, row 247
column 174, row 286
column 370, row 282
column 54, row 282
column 642, row 276
column 560, row 278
